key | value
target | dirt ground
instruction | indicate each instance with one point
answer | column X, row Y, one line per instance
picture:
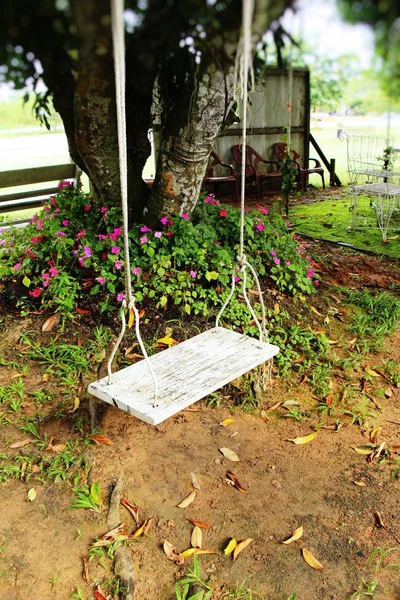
column 348, row 507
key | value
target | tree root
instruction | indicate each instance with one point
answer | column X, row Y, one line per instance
column 123, row 564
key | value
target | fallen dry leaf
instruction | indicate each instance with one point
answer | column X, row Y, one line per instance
column 172, row 553
column 195, row 483
column 200, row 524
column 57, row 448
column 98, row 594
column 99, row 439
column 21, row 444
column 31, row 495
column 311, row 560
column 188, row 500
column 388, row 392
column 49, row 323
column 296, row 535
column 371, row 372
column 379, row 520
column 316, row 311
column 18, row 375
column 226, row 422
column 86, row 571
column 131, row 319
column 240, row 547
column 141, row 531
column 235, row 482
column 109, row 538
column 134, row 511
column 229, row 454
column 373, row 436
column 274, row 406
column 264, row 416
column 305, row 439
column 360, row 483
column 166, row 341
column 230, row 547
column 197, row 538
column 189, row 552
column 365, row 451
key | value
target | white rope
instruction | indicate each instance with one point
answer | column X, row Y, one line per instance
column 242, row 263
column 118, row 36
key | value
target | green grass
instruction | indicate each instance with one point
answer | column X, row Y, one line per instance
column 14, row 114
column 331, row 219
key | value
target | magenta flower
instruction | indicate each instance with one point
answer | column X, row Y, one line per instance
column 2, row 242
column 316, row 283
column 259, row 227
column 262, row 210
column 273, row 253
column 63, row 184
column 164, row 220
column 87, row 207
column 101, row 236
column 288, row 224
column 80, row 234
column 157, row 234
column 60, row 233
column 169, row 233
column 87, row 251
column 33, row 220
column 39, row 225
column 53, row 271
column 287, row 262
column 115, row 250
column 310, row 274
column 100, row 280
column 193, row 274
column 237, row 278
column 185, row 216
column 136, row 270
column 81, row 261
column 17, row 266
column 223, row 213
column 277, row 261
column 65, row 222
column 120, row 297
column 143, row 239
column 103, row 210
column 118, row 264
column 144, row 229
column 46, row 276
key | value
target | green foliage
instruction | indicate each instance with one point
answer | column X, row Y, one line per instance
column 376, row 316
column 72, row 249
column 88, row 497
column 182, row 587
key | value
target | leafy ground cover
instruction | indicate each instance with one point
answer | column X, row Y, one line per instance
column 315, row 454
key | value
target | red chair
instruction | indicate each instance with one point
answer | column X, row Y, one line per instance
column 253, row 171
column 280, row 149
column 214, row 180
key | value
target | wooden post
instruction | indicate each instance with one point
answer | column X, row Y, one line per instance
column 332, row 167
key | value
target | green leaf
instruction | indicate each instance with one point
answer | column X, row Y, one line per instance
column 163, row 301
column 187, row 309
column 150, row 251
column 26, row 281
column 211, row 275
column 96, row 493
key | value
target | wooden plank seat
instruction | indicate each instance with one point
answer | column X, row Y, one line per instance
column 185, row 373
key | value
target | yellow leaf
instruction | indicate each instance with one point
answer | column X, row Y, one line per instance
column 230, row 547
column 197, row 538
column 45, row 377
column 31, row 494
column 296, row 535
column 189, row 552
column 76, row 403
column 374, row 434
column 363, row 450
column 304, row 440
column 240, row 547
column 371, row 372
column 166, row 341
column 18, row 375
column 226, row 422
column 316, row 312
column 311, row 560
column 229, row 454
column 360, row 483
column 199, row 551
column 131, row 319
column 188, row 500
column 139, row 531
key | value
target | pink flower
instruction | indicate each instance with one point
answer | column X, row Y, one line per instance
column 164, row 220
column 310, row 274
column 53, row 202
column 39, row 225
column 2, row 242
column 80, row 234
column 53, row 271
column 144, row 229
column 316, row 283
column 100, row 280
column 33, row 220
column 17, row 266
column 273, row 253
column 262, row 210
column 136, row 270
column 81, row 261
column 60, row 233
column 36, row 240
column 277, row 261
column 103, row 210
column 185, row 216
column 87, row 207
column 223, row 213
column 87, row 251
column 35, row 293
column 259, row 227
column 143, row 239
column 169, row 233
column 288, row 224
column 115, row 250
column 193, row 274
column 157, row 234
column 45, row 283
column 46, row 208
column 120, row 297
column 101, row 236
column 237, row 278
column 287, row 262
column 118, row 264
column 65, row 222
column 46, row 276
column 63, row 184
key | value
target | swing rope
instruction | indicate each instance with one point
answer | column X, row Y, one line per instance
column 118, row 36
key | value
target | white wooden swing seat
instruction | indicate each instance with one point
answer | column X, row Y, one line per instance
column 185, row 373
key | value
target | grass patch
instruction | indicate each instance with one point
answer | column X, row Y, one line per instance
column 331, row 219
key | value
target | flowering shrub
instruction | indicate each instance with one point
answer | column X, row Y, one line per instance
column 73, row 247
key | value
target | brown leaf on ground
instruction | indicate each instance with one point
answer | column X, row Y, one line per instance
column 188, row 500
column 296, row 535
column 235, row 482
column 98, row 594
column 200, row 524
column 373, row 436
column 49, row 323
column 196, row 539
column 133, row 510
column 86, row 571
column 195, row 483
column 379, row 520
column 311, row 560
column 229, row 454
column 99, row 439
column 240, row 547
column 172, row 553
column 110, row 537
column 21, row 444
